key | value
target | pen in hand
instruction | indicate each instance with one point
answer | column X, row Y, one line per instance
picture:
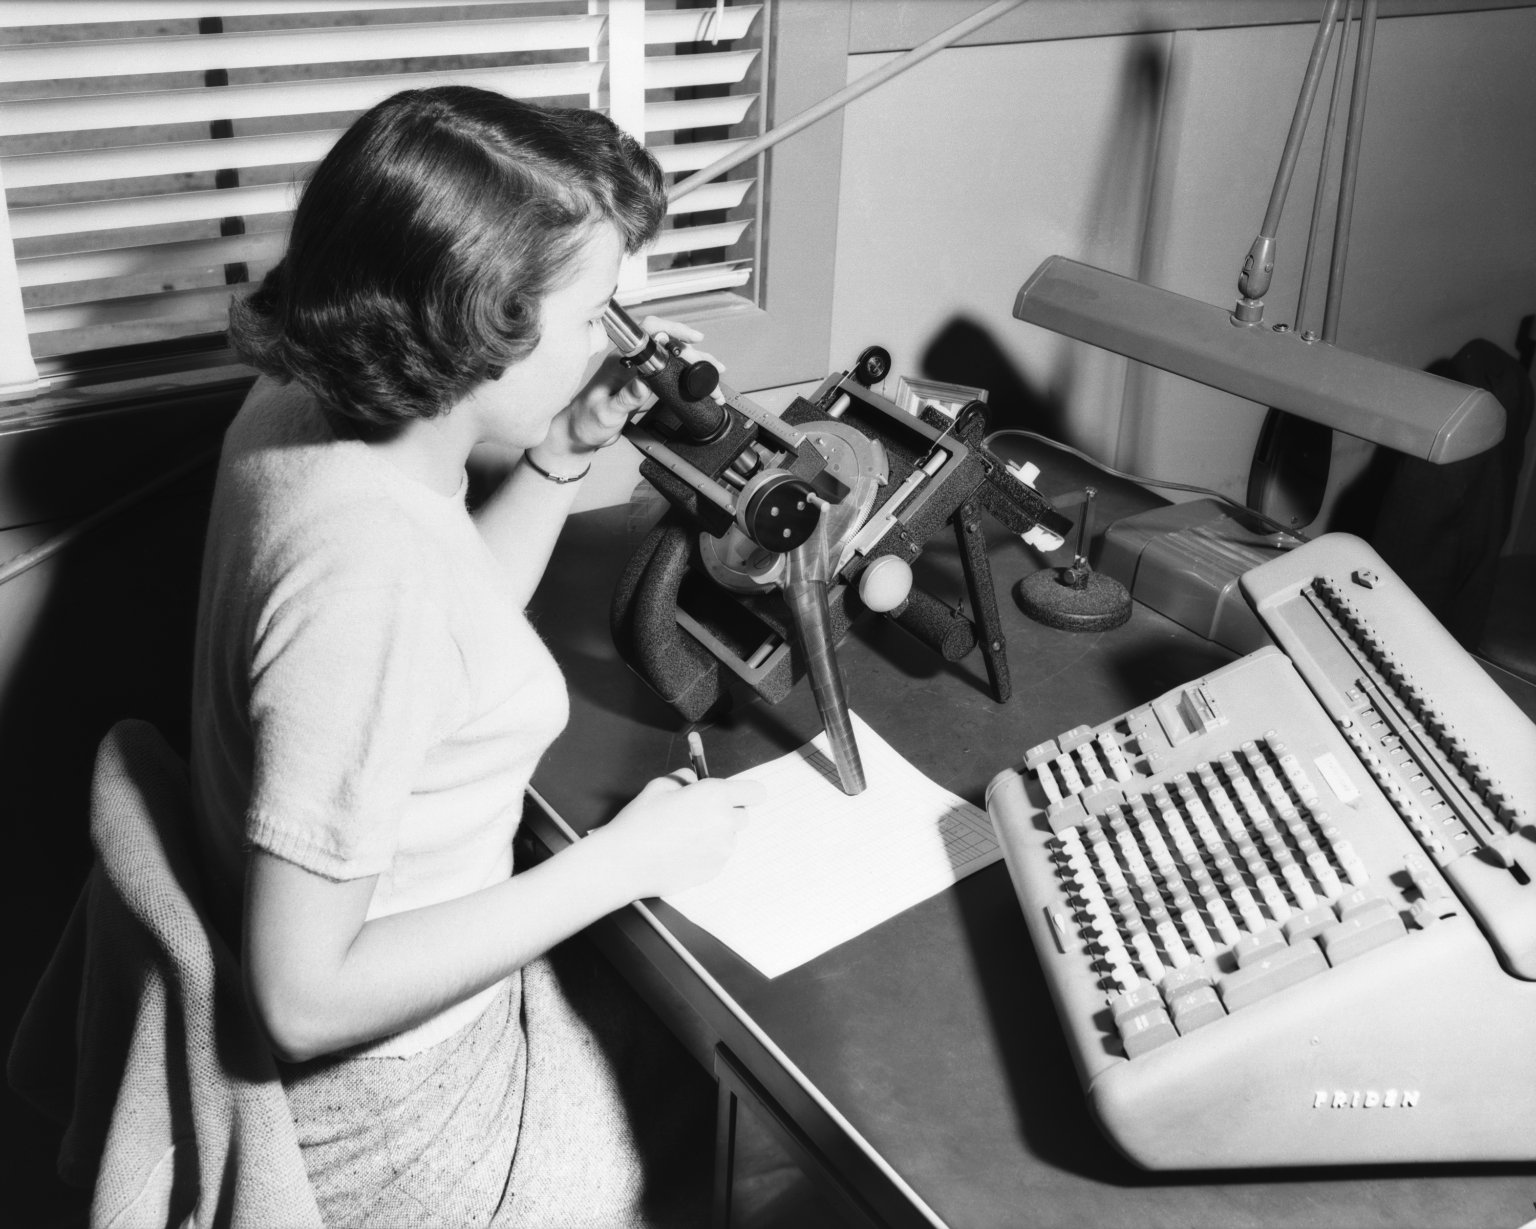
column 696, row 755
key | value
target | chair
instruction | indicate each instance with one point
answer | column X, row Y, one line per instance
column 138, row 1036
column 1442, row 528
column 1509, row 635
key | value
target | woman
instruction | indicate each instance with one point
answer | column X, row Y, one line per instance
column 369, row 697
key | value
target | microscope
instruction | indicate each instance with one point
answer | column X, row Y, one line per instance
column 783, row 529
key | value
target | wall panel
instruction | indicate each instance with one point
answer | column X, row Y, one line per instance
column 959, row 177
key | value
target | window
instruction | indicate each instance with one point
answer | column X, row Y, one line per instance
column 152, row 150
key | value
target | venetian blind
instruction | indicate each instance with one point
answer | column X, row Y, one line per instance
column 151, row 151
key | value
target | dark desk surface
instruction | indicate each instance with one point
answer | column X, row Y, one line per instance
column 930, row 1042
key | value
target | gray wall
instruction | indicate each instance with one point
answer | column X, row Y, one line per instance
column 1153, row 155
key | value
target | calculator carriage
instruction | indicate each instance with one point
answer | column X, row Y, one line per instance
column 1319, row 1038
column 1456, row 754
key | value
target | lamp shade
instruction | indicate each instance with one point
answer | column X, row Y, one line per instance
column 1412, row 411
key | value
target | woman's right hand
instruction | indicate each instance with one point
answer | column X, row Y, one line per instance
column 678, row 831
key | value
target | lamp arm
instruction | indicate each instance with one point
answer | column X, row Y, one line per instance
column 1324, row 160
column 1349, row 170
column 1259, row 265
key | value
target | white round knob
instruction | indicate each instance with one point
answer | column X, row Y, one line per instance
column 885, row 583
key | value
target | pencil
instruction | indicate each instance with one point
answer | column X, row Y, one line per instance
column 696, row 755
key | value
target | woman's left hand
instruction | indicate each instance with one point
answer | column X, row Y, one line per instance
column 614, row 394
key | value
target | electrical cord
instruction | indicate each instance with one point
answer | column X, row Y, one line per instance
column 1163, row 483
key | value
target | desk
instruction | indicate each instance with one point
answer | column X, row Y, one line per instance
column 921, row 1065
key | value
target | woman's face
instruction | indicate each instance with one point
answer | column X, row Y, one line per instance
column 516, row 409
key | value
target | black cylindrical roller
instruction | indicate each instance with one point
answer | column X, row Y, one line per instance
column 944, row 630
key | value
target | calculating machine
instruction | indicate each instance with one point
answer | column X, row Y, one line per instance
column 1285, row 911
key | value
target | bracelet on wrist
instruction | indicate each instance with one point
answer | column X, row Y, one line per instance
column 559, row 479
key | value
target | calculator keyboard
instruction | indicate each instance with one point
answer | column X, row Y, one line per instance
column 1296, row 886
column 1199, row 891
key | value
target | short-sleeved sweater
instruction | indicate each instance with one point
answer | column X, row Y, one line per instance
column 368, row 697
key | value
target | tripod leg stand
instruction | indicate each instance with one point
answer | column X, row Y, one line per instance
column 978, row 583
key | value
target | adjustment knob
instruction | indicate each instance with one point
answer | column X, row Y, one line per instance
column 885, row 583
column 874, row 365
column 972, row 412
column 698, row 380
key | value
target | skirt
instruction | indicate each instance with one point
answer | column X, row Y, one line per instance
column 565, row 1104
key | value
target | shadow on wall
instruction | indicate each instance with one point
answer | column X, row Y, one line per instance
column 1117, row 224
column 964, row 352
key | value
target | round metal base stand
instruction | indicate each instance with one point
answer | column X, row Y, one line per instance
column 1073, row 599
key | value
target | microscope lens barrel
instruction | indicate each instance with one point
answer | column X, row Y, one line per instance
column 628, row 338
column 682, row 388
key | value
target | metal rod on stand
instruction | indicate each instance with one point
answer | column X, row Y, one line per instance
column 1253, row 284
column 1324, row 160
column 806, row 592
column 1347, row 173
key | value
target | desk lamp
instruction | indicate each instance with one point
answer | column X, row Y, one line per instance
column 1291, row 370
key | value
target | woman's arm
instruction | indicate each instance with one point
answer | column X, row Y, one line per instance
column 522, row 517
column 321, row 978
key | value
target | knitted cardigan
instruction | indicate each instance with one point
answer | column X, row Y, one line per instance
column 138, row 1036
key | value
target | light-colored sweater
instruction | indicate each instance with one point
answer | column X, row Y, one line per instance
column 368, row 698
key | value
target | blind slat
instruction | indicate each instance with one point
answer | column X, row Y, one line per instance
column 206, row 306
column 144, row 258
column 693, row 156
column 268, row 246
column 700, row 25
column 78, row 217
column 698, row 238
column 122, row 253
column 232, row 102
column 698, row 113
column 209, row 304
column 699, row 279
column 95, row 12
column 169, row 158
column 723, row 194
column 673, row 26
column 711, row 68
column 18, row 372
column 328, row 45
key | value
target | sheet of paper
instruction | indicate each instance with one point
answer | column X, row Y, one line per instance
column 814, row 867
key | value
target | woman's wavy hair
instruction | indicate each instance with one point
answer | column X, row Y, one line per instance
column 425, row 242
